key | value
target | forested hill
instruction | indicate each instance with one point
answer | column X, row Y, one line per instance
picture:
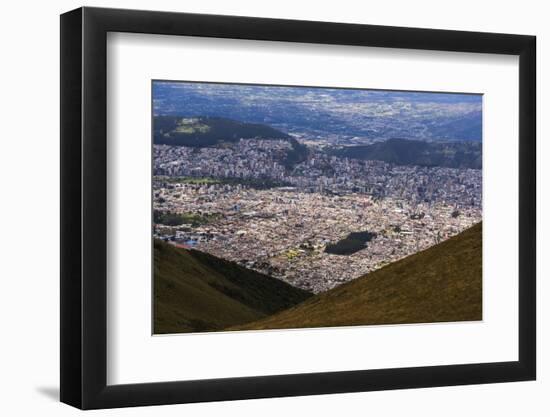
column 415, row 152
column 208, row 131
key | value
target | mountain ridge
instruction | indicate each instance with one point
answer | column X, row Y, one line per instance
column 204, row 131
column 415, row 152
column 195, row 292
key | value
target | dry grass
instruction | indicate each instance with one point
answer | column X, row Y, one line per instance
column 197, row 292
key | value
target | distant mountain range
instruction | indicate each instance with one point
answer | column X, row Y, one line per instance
column 349, row 114
column 197, row 292
column 467, row 127
column 414, row 152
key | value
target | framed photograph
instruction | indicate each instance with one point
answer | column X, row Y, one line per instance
column 260, row 208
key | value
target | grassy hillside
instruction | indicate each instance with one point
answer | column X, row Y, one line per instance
column 195, row 292
column 442, row 283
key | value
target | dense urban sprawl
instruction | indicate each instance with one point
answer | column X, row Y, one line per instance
column 240, row 202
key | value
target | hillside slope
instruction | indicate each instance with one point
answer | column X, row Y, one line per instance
column 195, row 292
column 442, row 283
column 415, row 152
column 208, row 131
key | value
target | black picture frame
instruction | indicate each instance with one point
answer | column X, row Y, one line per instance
column 84, row 207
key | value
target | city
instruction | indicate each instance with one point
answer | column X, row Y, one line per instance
column 241, row 203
